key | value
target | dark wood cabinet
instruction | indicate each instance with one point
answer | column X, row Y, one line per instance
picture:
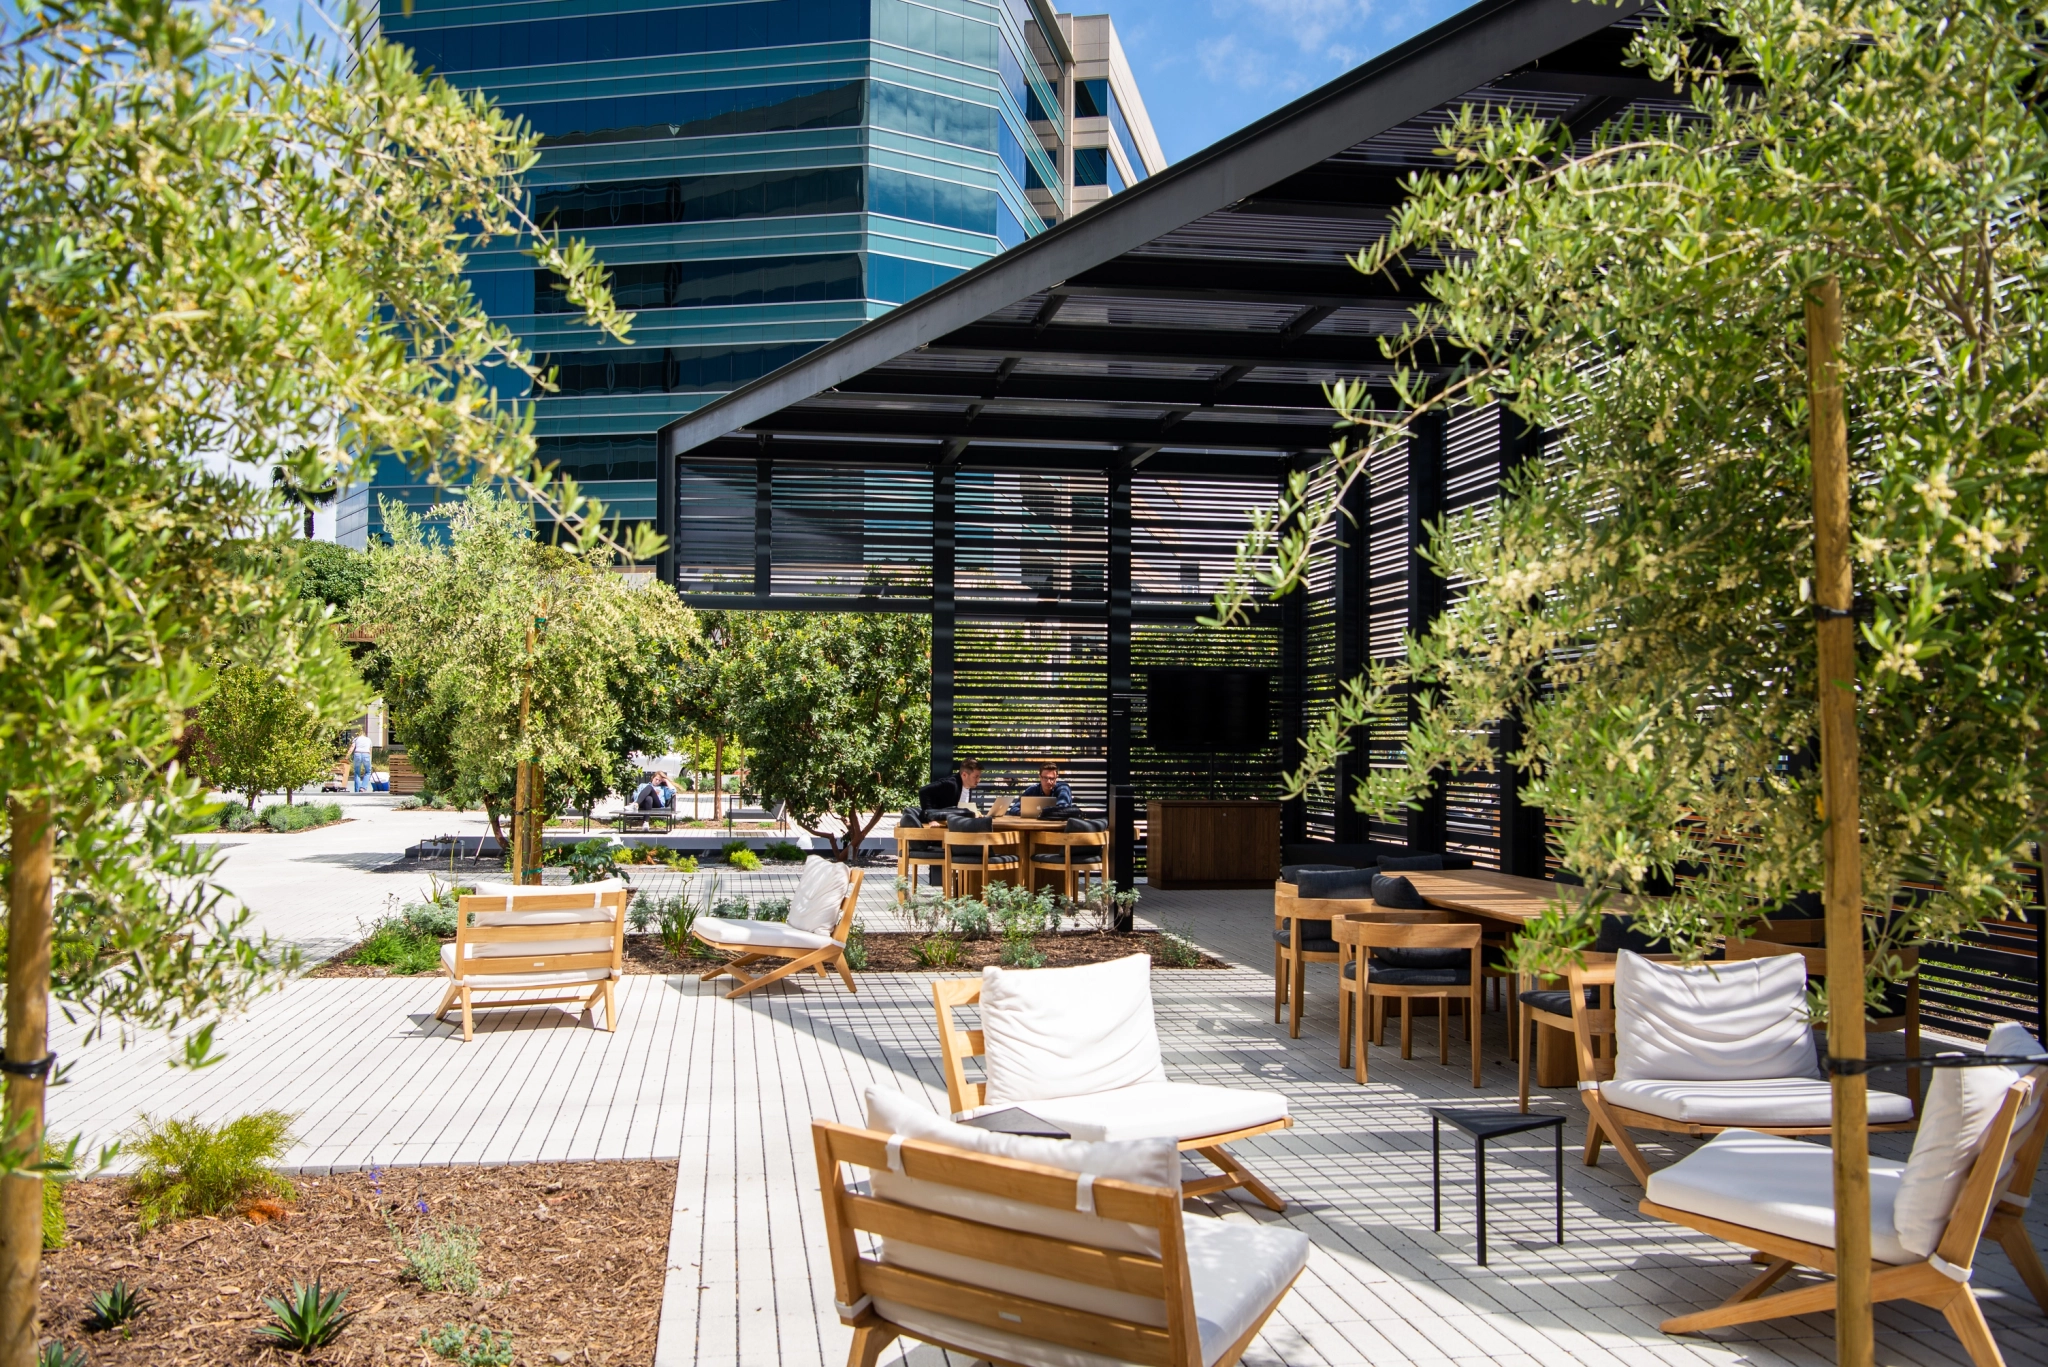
column 1212, row 844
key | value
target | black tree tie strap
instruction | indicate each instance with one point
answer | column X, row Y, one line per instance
column 39, row 1070
column 1851, row 1067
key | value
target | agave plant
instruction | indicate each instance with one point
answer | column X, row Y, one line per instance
column 117, row 1305
column 55, row 1354
column 311, row 1318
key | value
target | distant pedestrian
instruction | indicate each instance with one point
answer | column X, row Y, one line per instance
column 359, row 764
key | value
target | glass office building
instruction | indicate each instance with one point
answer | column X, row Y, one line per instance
column 760, row 177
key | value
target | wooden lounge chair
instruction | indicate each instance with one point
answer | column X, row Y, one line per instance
column 1775, row 1196
column 1036, row 1252
column 814, row 936
column 1903, row 1005
column 1730, row 1049
column 568, row 944
column 1077, row 1047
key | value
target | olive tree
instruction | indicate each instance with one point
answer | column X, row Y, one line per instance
column 219, row 256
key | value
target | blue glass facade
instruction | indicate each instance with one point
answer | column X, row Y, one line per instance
column 760, row 177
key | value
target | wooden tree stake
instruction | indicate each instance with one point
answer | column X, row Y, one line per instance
column 1841, row 802
column 33, row 845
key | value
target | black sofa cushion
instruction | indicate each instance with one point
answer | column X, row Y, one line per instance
column 1084, row 825
column 1415, row 977
column 1085, row 854
column 1335, row 883
column 1291, row 873
column 1557, row 1000
column 1424, row 863
column 1397, row 893
column 1400, row 956
column 1315, row 936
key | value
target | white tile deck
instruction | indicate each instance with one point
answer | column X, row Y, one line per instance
column 729, row 1087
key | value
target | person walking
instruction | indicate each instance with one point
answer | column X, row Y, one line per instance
column 359, row 763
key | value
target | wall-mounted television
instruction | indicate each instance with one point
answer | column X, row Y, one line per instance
column 1208, row 711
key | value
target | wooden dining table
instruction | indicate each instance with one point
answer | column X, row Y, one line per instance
column 1507, row 900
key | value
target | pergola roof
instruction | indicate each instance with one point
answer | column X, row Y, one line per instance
column 1188, row 323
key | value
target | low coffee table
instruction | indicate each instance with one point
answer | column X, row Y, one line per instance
column 1016, row 1120
column 1482, row 1126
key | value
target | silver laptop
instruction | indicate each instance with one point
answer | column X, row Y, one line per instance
column 1032, row 806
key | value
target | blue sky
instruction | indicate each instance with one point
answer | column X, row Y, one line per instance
column 1208, row 67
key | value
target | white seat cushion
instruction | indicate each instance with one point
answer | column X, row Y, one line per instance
column 757, row 934
column 1781, row 1185
column 1712, row 1022
column 1063, row 1032
column 1774, row 1101
column 1237, row 1271
column 1961, row 1104
column 550, row 978
column 1154, row 1110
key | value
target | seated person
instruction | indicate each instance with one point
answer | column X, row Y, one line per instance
column 1049, row 784
column 655, row 795
column 957, row 791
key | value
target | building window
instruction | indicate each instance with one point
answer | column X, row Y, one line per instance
column 632, row 370
column 693, row 113
column 1091, row 166
column 698, row 199
column 639, row 33
column 712, row 284
column 1095, row 100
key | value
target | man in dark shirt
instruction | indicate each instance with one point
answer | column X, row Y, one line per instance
column 1049, row 784
column 957, row 791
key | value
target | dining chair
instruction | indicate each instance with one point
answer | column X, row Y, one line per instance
column 1071, row 857
column 917, row 847
column 1423, row 954
column 979, row 855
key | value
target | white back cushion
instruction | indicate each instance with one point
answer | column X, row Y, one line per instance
column 1713, row 1022
column 1058, row 1032
column 1150, row 1162
column 819, row 891
column 1960, row 1104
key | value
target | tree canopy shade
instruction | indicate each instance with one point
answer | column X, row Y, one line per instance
column 834, row 708
column 473, row 694
column 1639, row 604
column 216, row 256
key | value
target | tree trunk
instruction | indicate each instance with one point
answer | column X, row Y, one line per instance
column 497, row 830
column 718, row 779
column 1841, row 804
column 33, row 844
column 536, row 823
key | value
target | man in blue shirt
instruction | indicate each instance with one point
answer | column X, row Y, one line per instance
column 1049, row 784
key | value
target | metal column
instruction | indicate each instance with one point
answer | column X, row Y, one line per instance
column 942, row 622
column 1425, row 591
column 1352, row 608
column 1524, row 844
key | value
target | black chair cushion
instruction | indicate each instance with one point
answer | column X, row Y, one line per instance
column 1354, row 883
column 1415, row 977
column 1291, row 873
column 1330, row 854
column 1423, row 863
column 1083, row 825
column 1086, row 854
column 927, row 849
column 1397, row 893
column 970, row 825
column 1398, row 956
column 982, row 855
column 1315, row 936
column 1557, row 1000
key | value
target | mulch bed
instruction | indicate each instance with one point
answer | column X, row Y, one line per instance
column 572, row 1262
column 888, row 952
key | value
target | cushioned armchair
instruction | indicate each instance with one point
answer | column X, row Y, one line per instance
column 977, row 852
column 1776, row 1196
column 1701, row 1049
column 1077, row 1047
column 1305, row 900
column 1038, row 1252
column 814, row 936
column 917, row 847
column 1423, row 954
column 1073, row 856
column 566, row 944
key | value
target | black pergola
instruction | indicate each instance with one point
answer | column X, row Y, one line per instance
column 1053, row 454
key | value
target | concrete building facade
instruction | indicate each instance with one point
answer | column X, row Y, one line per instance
column 760, row 177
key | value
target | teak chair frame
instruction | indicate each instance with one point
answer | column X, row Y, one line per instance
column 608, row 917
column 825, row 956
column 982, row 869
column 1940, row 1282
column 907, row 864
column 956, row 1046
column 1073, row 877
column 1608, row 1121
column 858, row 1279
column 1290, row 960
column 1363, row 1003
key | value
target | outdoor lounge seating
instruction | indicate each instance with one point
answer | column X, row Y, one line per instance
column 917, row 847
column 1703, row 1049
column 814, row 936
column 1305, row 900
column 1776, row 1196
column 1078, row 1048
column 977, row 852
column 1902, row 1000
column 1041, row 1252
column 1072, row 856
column 567, row 944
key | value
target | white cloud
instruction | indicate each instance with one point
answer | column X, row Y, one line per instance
column 1225, row 60
column 1312, row 23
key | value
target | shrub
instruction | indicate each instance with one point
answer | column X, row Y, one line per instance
column 117, row 1305
column 409, row 803
column 236, row 817
column 740, row 857
column 304, row 817
column 53, row 1216
column 681, row 863
column 935, row 951
column 310, row 1319
column 968, row 918
column 589, row 861
column 408, row 940
column 1175, row 950
column 443, row 1259
column 55, row 1354
column 189, row 1168
column 772, row 909
column 1019, row 952
column 857, row 947
column 1100, row 907
column 785, row 852
column 1018, row 914
column 452, row 1341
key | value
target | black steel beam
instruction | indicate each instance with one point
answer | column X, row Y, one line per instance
column 1352, row 611
column 942, row 624
column 994, row 455
column 665, row 518
column 1118, row 754
column 1524, row 833
column 1349, row 353
column 764, row 512
column 1200, row 430
column 1246, row 393
column 970, row 609
column 1162, row 277
column 1426, row 826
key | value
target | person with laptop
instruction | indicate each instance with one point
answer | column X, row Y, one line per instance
column 957, row 791
column 1050, row 791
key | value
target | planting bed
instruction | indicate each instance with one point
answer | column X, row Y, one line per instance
column 571, row 1262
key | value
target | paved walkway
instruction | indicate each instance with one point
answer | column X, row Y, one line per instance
column 730, row 1089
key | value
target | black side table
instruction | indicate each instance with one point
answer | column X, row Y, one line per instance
column 1482, row 1126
